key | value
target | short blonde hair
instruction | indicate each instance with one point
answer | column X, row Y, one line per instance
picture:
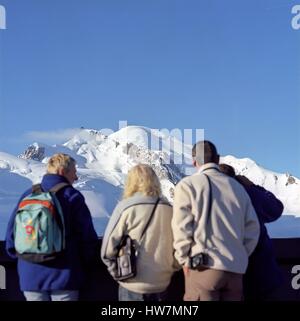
column 60, row 161
column 142, row 178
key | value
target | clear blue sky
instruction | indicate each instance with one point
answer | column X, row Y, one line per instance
column 231, row 67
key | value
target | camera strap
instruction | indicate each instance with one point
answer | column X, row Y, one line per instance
column 150, row 218
column 207, row 213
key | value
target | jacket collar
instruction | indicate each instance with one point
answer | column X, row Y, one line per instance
column 50, row 180
column 208, row 166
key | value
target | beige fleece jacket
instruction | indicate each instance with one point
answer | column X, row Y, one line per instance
column 232, row 227
column 156, row 262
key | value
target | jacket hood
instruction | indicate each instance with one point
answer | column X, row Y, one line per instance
column 50, row 180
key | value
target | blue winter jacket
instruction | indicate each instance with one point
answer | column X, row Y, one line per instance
column 263, row 274
column 67, row 271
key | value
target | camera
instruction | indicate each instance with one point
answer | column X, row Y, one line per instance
column 197, row 260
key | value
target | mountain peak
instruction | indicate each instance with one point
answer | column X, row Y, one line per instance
column 35, row 152
column 103, row 162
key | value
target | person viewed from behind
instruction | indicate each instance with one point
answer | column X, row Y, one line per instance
column 263, row 277
column 142, row 209
column 215, row 229
column 52, row 234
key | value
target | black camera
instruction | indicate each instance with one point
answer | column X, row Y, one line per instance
column 197, row 261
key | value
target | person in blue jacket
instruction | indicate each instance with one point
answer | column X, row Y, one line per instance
column 263, row 277
column 61, row 278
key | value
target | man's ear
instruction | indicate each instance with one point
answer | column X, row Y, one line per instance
column 194, row 163
column 61, row 172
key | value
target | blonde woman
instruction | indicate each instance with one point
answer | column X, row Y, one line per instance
column 155, row 262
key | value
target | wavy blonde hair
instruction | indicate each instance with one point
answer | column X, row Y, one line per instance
column 60, row 161
column 142, row 178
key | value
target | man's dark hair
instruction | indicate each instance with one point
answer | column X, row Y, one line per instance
column 205, row 152
column 227, row 169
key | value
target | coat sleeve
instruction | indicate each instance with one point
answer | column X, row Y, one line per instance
column 87, row 236
column 9, row 238
column 266, row 205
column 114, row 232
column 182, row 223
column 252, row 227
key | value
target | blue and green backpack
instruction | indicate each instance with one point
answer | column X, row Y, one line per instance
column 39, row 229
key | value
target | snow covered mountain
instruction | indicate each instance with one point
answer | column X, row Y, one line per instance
column 104, row 160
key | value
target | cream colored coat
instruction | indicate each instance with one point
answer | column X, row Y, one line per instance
column 232, row 227
column 156, row 262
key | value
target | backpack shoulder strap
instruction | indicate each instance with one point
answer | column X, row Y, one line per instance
column 37, row 189
column 58, row 187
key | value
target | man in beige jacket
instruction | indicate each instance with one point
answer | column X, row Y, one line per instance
column 215, row 229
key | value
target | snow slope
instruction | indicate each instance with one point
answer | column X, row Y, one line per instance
column 104, row 160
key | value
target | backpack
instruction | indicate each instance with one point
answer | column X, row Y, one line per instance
column 39, row 228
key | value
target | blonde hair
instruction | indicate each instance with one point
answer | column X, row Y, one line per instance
column 60, row 161
column 142, row 178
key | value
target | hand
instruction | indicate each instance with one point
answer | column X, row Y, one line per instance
column 244, row 180
column 186, row 271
